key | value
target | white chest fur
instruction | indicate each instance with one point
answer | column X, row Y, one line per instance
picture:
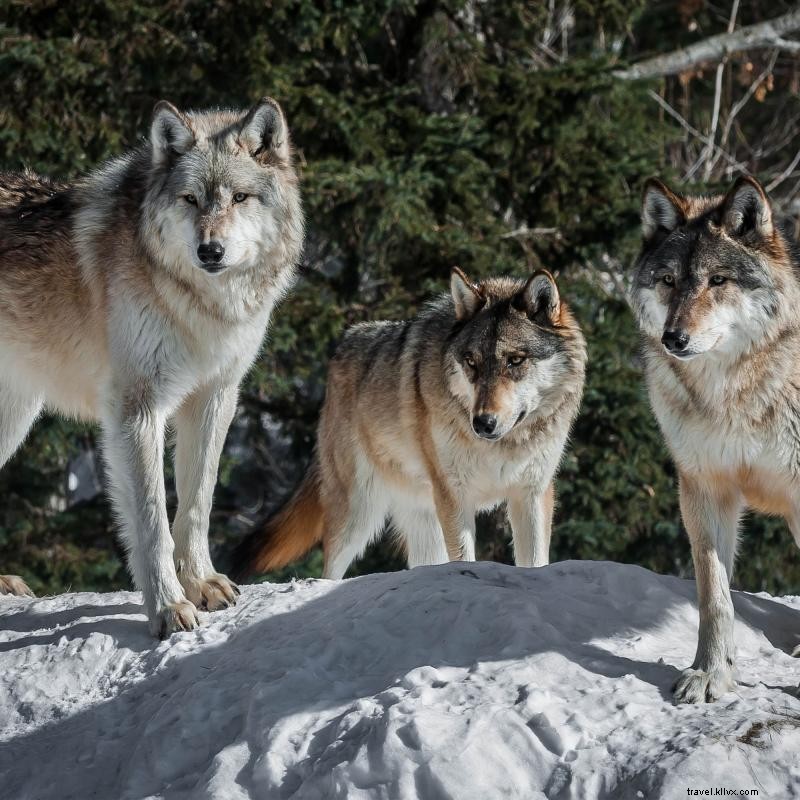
column 486, row 473
column 719, row 428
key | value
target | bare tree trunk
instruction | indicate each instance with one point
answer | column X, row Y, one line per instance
column 753, row 37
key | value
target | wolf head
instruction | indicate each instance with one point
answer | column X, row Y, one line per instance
column 514, row 350
column 711, row 270
column 222, row 187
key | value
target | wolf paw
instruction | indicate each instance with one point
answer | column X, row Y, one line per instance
column 175, row 617
column 796, row 652
column 702, row 686
column 13, row 584
column 211, row 593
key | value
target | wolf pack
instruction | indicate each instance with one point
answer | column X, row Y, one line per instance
column 138, row 297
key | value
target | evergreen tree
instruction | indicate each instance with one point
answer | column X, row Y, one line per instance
column 494, row 135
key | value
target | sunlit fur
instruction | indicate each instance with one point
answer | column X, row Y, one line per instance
column 727, row 319
column 396, row 440
column 729, row 406
column 108, row 314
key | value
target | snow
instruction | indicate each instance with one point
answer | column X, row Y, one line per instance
column 459, row 681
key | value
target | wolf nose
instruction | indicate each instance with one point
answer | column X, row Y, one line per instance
column 210, row 253
column 675, row 341
column 484, row 424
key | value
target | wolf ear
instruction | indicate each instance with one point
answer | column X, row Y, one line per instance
column 170, row 132
column 747, row 208
column 661, row 208
column 264, row 131
column 466, row 295
column 539, row 298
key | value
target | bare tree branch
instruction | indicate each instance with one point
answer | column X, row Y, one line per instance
column 739, row 105
column 752, row 37
column 785, row 174
column 708, row 152
column 788, row 44
column 693, row 131
column 524, row 231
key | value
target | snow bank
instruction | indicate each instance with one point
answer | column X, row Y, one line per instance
column 460, row 681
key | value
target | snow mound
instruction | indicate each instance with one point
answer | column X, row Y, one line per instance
column 459, row 681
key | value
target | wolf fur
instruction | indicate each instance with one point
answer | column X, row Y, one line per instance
column 430, row 420
column 716, row 294
column 139, row 296
column 13, row 584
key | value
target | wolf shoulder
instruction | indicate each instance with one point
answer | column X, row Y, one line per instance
column 390, row 344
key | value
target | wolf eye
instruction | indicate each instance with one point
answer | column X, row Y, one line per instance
column 669, row 280
column 717, row 280
column 470, row 361
column 239, row 197
column 190, row 199
column 515, row 361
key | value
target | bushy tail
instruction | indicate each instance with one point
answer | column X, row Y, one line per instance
column 288, row 535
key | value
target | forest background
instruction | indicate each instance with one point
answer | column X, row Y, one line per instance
column 500, row 136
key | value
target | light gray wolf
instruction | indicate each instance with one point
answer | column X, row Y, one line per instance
column 138, row 297
column 428, row 421
column 716, row 293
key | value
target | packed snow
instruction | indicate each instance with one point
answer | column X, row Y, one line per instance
column 459, row 681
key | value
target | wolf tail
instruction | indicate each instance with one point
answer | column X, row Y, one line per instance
column 286, row 536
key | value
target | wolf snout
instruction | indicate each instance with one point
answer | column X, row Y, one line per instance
column 210, row 253
column 676, row 341
column 484, row 425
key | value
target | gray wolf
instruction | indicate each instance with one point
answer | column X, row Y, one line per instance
column 138, row 297
column 716, row 295
column 428, row 421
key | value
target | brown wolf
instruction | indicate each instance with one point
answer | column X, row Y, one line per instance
column 430, row 420
column 140, row 295
column 716, row 294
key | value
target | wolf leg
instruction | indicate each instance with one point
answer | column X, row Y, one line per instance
column 17, row 414
column 201, row 425
column 466, row 532
column 531, row 516
column 422, row 534
column 134, row 449
column 351, row 528
column 458, row 524
column 711, row 516
column 794, row 527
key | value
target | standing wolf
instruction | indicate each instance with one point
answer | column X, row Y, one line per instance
column 716, row 294
column 140, row 295
column 430, row 420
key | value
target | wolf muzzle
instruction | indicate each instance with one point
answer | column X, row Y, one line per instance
column 675, row 341
column 211, row 255
column 485, row 426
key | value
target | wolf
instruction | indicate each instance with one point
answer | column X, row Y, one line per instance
column 716, row 290
column 138, row 296
column 428, row 421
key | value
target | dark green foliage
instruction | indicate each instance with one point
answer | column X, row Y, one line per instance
column 428, row 134
column 616, row 488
